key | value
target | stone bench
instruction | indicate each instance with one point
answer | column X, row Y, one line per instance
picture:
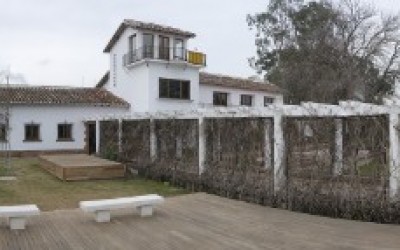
column 102, row 208
column 17, row 215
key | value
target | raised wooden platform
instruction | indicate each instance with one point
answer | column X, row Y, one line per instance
column 76, row 167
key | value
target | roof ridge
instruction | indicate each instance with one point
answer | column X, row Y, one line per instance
column 237, row 78
column 145, row 26
column 44, row 87
column 237, row 83
column 60, row 96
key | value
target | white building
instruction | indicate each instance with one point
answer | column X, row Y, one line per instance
column 44, row 119
column 151, row 69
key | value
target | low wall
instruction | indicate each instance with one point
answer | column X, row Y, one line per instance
column 359, row 188
column 135, row 143
column 175, row 156
column 235, row 164
column 109, row 139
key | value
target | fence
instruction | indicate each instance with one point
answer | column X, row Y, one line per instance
column 339, row 161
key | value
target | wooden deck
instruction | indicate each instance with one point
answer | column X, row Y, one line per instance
column 74, row 167
column 199, row 221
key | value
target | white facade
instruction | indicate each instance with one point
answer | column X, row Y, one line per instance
column 138, row 83
column 178, row 71
column 207, row 91
column 48, row 117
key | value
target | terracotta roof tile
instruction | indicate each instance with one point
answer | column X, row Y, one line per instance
column 60, row 96
column 223, row 81
column 237, row 83
column 147, row 27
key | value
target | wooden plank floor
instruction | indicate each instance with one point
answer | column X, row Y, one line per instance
column 199, row 221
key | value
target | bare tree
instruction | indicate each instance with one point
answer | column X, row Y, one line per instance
column 5, row 147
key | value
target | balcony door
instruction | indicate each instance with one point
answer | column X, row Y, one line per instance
column 132, row 44
column 132, row 48
column 179, row 49
column 148, row 46
column 164, row 48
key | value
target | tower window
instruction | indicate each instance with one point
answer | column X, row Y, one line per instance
column 174, row 89
column 179, row 51
column 148, row 46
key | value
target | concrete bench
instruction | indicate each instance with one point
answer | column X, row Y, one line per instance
column 144, row 204
column 17, row 215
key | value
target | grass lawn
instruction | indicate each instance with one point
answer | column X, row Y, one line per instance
column 34, row 185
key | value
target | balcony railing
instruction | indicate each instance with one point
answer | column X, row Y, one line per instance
column 164, row 53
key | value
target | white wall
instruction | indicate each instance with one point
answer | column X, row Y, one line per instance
column 138, row 84
column 49, row 117
column 132, row 86
column 206, row 95
column 129, row 84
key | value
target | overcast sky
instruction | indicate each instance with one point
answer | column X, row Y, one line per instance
column 60, row 42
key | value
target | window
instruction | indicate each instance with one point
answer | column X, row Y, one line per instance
column 174, row 89
column 178, row 49
column 64, row 132
column 220, row 99
column 246, row 100
column 148, row 46
column 132, row 44
column 32, row 132
column 3, row 136
column 268, row 101
column 164, row 48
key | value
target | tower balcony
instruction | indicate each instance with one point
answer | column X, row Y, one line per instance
column 171, row 54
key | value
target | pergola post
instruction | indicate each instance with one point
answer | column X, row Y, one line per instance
column 338, row 154
column 268, row 140
column 202, row 144
column 394, row 162
column 97, row 136
column 153, row 140
column 279, row 152
column 119, row 137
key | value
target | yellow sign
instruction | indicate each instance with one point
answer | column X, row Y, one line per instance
column 196, row 58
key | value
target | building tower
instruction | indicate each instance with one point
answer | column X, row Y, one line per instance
column 152, row 68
